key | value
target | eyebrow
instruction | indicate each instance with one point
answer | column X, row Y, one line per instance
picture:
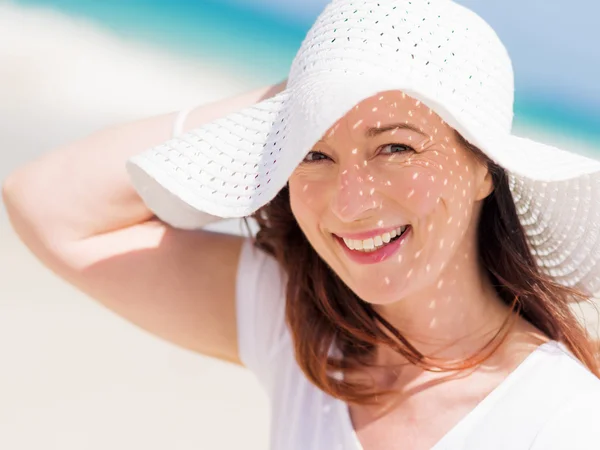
column 376, row 131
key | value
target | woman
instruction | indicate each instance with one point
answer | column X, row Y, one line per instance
column 410, row 281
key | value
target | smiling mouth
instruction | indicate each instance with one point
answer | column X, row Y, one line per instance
column 377, row 242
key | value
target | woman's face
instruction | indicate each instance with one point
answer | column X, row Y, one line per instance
column 387, row 197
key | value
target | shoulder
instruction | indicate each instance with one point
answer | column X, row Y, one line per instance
column 576, row 422
column 576, row 425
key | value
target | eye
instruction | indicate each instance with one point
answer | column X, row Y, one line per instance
column 395, row 148
column 313, row 157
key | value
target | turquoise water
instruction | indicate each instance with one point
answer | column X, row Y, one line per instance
column 262, row 45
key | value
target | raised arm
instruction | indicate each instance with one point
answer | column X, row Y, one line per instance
column 77, row 212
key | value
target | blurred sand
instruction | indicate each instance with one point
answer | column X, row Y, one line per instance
column 75, row 376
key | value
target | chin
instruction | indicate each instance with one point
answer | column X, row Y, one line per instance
column 379, row 291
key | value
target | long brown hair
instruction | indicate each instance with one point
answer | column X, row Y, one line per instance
column 323, row 313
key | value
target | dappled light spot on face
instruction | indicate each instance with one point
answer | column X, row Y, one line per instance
column 333, row 130
column 357, row 124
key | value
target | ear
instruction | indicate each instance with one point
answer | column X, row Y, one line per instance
column 485, row 182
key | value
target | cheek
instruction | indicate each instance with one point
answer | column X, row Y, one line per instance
column 418, row 188
column 306, row 205
column 303, row 193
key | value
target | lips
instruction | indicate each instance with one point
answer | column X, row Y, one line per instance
column 379, row 254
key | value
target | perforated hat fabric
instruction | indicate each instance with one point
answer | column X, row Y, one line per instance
column 436, row 51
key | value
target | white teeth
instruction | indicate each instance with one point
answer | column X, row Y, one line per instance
column 374, row 243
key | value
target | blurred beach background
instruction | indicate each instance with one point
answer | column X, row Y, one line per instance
column 74, row 376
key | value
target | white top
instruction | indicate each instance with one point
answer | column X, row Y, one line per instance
column 550, row 402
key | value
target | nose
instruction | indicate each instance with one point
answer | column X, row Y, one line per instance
column 354, row 196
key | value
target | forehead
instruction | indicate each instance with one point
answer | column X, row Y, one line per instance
column 385, row 108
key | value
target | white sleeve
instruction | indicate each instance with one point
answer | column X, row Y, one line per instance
column 179, row 121
column 576, row 426
column 260, row 307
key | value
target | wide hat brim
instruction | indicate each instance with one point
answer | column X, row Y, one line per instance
column 231, row 167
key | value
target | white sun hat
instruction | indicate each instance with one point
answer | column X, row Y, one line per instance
column 433, row 50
